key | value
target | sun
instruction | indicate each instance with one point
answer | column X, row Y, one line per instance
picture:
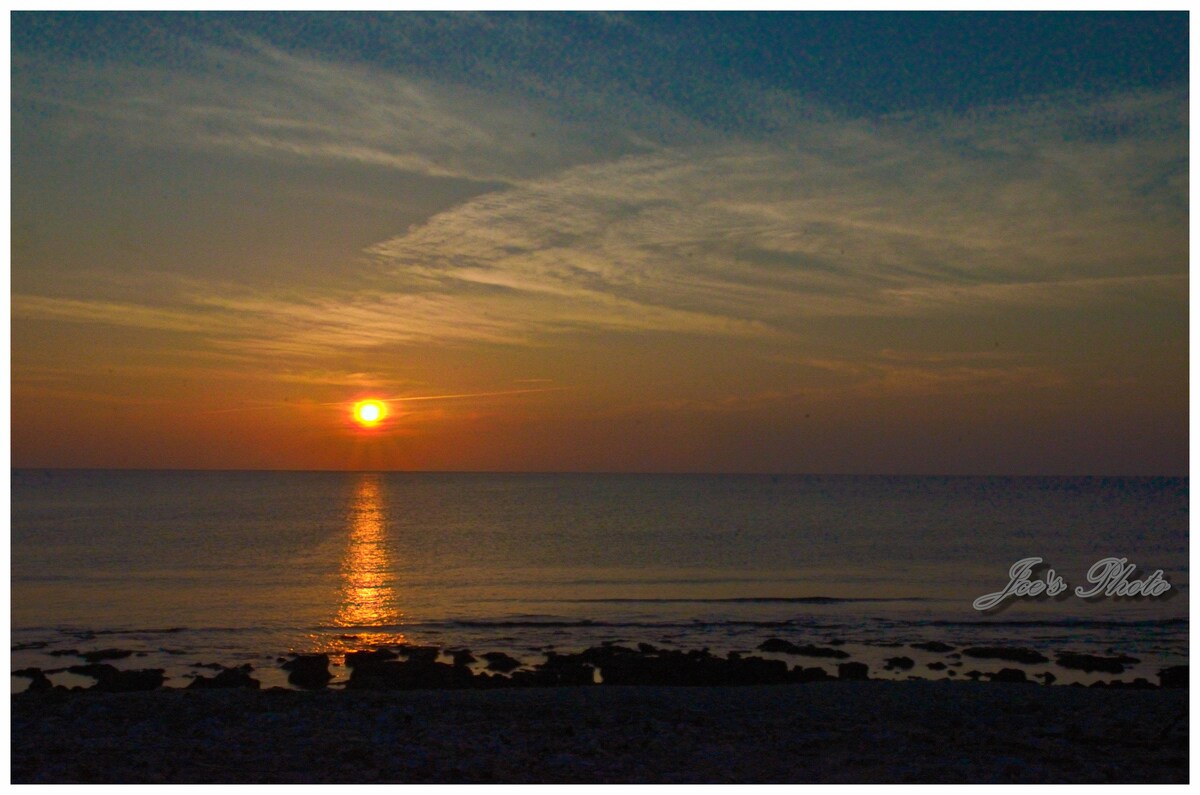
column 369, row 412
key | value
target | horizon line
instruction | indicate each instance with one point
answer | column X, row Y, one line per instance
column 665, row 473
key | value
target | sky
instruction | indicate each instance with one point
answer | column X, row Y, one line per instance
column 869, row 243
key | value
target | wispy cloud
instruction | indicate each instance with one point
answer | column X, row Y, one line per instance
column 850, row 221
column 188, row 319
column 1079, row 201
column 261, row 101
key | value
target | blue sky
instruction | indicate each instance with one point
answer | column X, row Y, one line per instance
column 957, row 241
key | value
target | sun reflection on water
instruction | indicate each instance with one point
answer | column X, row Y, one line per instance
column 367, row 606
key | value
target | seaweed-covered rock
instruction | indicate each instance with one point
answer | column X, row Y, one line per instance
column 1141, row 683
column 422, row 653
column 227, row 678
column 778, row 645
column 1090, row 663
column 898, row 663
column 33, row 644
column 853, row 671
column 1017, row 655
column 1175, row 676
column 499, row 661
column 756, row 671
column 110, row 680
column 105, row 654
column 664, row 668
column 813, row 674
column 932, row 645
column 412, row 674
column 39, row 681
column 309, row 671
column 1009, row 675
column 356, row 658
column 564, row 669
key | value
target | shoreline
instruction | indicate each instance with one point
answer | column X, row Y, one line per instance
column 773, row 661
column 837, row 731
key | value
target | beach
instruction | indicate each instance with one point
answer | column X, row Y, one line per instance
column 837, row 731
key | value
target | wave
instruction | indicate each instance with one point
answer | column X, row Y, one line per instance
column 884, row 625
column 1068, row 623
column 799, row 600
column 583, row 623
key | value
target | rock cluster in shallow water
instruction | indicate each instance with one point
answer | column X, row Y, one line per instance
column 413, row 667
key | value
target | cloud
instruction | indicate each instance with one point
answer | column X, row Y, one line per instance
column 849, row 219
column 586, row 227
column 34, row 307
column 258, row 100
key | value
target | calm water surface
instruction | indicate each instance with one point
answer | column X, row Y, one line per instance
column 232, row 567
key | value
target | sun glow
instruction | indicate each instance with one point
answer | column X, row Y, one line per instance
column 369, row 412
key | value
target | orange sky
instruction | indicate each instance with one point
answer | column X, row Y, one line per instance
column 218, row 246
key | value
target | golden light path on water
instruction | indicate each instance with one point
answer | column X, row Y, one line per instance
column 367, row 600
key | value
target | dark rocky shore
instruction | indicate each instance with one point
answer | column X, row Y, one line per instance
column 410, row 667
column 838, row 731
column 611, row 713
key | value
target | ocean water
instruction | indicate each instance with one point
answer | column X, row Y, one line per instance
column 245, row 567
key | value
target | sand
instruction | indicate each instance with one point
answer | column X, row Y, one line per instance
column 868, row 731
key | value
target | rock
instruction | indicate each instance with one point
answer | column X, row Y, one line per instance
column 1141, row 683
column 1009, row 675
column 412, row 674
column 40, row 682
column 499, row 661
column 932, row 645
column 1018, row 655
column 462, row 657
column 627, row 667
column 778, row 645
column 1175, row 676
column 973, row 674
column 228, row 678
column 64, row 653
column 356, row 658
column 35, row 644
column 936, row 666
column 564, row 669
column 105, row 654
column 852, row 671
column 423, row 653
column 1047, row 677
column 1090, row 663
column 110, row 680
column 309, row 671
column 809, row 674
column 756, row 671
column 898, row 663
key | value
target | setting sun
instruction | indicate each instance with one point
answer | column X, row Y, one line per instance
column 369, row 412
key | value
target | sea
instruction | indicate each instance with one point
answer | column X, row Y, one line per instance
column 186, row 569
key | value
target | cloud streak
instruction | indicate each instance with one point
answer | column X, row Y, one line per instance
column 1075, row 202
